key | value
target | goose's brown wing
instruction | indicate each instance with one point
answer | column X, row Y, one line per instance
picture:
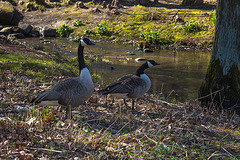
column 65, row 88
column 125, row 84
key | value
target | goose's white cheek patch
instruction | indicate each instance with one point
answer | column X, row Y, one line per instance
column 149, row 64
column 83, row 43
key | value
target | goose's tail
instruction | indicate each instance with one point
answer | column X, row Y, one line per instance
column 103, row 91
column 39, row 98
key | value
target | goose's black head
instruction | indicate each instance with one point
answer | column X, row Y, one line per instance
column 146, row 65
column 151, row 63
column 86, row 41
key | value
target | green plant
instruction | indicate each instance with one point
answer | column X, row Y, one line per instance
column 89, row 31
column 64, row 30
column 213, row 17
column 77, row 22
column 102, row 29
column 40, row 7
column 75, row 38
column 96, row 77
column 150, row 37
column 192, row 26
column 68, row 18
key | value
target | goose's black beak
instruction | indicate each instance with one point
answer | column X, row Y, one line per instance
column 156, row 63
column 91, row 43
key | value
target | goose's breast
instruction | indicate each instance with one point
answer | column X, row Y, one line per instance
column 142, row 88
column 147, row 81
column 78, row 94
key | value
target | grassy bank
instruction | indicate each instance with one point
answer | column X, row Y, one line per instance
column 103, row 128
column 35, row 67
column 154, row 26
column 160, row 25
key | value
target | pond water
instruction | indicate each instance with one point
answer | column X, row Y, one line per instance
column 178, row 76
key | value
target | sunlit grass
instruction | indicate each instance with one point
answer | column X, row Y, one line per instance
column 36, row 67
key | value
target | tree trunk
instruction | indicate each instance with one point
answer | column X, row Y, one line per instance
column 223, row 74
column 192, row 2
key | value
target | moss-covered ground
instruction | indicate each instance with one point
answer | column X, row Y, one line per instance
column 167, row 23
column 160, row 26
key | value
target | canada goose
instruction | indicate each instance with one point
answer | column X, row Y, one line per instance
column 131, row 86
column 70, row 92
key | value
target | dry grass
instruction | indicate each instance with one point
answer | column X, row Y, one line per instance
column 105, row 129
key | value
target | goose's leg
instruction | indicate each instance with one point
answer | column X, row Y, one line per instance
column 133, row 104
column 125, row 103
column 69, row 112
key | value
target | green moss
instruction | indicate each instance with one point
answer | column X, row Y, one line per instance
column 5, row 9
column 227, row 85
column 90, row 3
column 6, row 6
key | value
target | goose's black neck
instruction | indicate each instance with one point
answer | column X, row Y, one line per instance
column 80, row 57
column 141, row 69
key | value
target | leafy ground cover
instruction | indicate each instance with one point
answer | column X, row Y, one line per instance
column 172, row 27
column 103, row 128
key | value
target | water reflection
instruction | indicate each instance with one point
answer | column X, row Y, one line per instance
column 179, row 73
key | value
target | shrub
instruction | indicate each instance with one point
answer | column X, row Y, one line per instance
column 77, row 22
column 75, row 38
column 150, row 37
column 96, row 78
column 192, row 26
column 89, row 31
column 64, row 30
column 102, row 29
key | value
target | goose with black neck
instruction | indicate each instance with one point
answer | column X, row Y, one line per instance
column 131, row 86
column 70, row 92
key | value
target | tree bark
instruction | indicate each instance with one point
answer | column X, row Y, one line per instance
column 223, row 74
